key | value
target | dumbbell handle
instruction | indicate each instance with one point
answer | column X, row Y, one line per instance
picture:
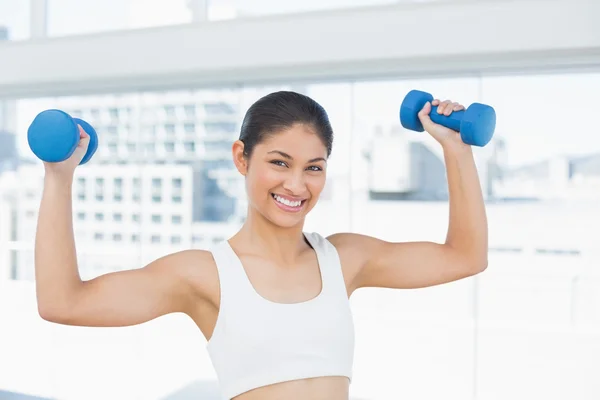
column 451, row 121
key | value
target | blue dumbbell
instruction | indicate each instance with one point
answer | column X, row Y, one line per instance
column 476, row 124
column 53, row 136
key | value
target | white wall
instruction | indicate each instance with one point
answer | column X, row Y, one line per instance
column 399, row 39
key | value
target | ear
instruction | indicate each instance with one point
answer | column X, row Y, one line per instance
column 240, row 161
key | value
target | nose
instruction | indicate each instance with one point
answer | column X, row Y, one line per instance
column 294, row 184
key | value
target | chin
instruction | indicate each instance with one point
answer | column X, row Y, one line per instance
column 285, row 221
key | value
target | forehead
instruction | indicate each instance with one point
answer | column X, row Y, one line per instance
column 300, row 140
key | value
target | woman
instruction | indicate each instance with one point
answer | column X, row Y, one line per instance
column 272, row 301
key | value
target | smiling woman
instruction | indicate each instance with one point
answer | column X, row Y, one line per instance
column 287, row 169
column 272, row 300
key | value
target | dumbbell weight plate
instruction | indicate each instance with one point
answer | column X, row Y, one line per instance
column 53, row 136
column 93, row 146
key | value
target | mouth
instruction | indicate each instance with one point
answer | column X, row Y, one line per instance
column 287, row 204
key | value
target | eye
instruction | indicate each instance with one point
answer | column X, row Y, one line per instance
column 279, row 163
column 315, row 168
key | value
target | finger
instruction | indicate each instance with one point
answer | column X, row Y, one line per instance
column 425, row 110
column 449, row 108
column 442, row 107
column 435, row 102
column 82, row 133
column 424, row 116
column 458, row 107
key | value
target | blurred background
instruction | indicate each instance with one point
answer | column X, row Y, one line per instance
column 166, row 84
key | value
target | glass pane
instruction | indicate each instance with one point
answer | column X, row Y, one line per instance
column 14, row 20
column 74, row 17
column 225, row 9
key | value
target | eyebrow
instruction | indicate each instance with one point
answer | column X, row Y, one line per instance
column 287, row 156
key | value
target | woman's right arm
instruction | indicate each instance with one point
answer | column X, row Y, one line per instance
column 116, row 299
column 167, row 285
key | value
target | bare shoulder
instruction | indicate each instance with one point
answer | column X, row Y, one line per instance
column 354, row 246
column 354, row 251
column 197, row 268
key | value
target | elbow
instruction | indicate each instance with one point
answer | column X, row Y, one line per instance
column 477, row 265
column 54, row 314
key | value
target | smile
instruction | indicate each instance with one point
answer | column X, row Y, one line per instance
column 288, row 204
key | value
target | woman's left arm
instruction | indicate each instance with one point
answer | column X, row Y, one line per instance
column 376, row 263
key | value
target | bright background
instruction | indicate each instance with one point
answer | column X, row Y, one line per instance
column 166, row 85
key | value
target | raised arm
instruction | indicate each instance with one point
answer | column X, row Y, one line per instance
column 370, row 262
column 167, row 285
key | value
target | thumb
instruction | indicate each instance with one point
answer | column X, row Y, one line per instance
column 424, row 115
column 84, row 138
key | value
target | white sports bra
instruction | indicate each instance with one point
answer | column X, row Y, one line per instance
column 257, row 342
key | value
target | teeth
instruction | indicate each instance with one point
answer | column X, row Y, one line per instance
column 287, row 202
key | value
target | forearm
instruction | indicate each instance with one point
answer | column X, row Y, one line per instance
column 467, row 229
column 56, row 272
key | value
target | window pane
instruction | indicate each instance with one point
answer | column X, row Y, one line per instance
column 14, row 20
column 76, row 17
column 226, row 9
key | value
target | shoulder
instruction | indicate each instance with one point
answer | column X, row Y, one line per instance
column 194, row 268
column 354, row 245
column 354, row 252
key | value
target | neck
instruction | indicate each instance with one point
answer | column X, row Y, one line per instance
column 261, row 237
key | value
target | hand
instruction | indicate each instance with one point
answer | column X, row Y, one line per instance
column 67, row 167
column 445, row 136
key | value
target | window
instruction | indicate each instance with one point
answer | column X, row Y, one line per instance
column 175, row 239
column 117, row 237
column 155, row 239
column 217, row 128
column 99, row 217
column 136, row 188
column 170, row 129
column 176, row 182
column 189, row 110
column 190, row 147
column 169, row 111
column 156, row 218
column 99, row 189
column 176, row 219
column 81, row 216
column 189, row 127
column 81, row 184
column 117, row 217
column 169, row 147
column 118, row 189
column 219, row 108
column 98, row 236
column 135, row 217
column 135, row 238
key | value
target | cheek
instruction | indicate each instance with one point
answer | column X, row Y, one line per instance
column 316, row 184
column 260, row 182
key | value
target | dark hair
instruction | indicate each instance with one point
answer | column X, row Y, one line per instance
column 281, row 110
